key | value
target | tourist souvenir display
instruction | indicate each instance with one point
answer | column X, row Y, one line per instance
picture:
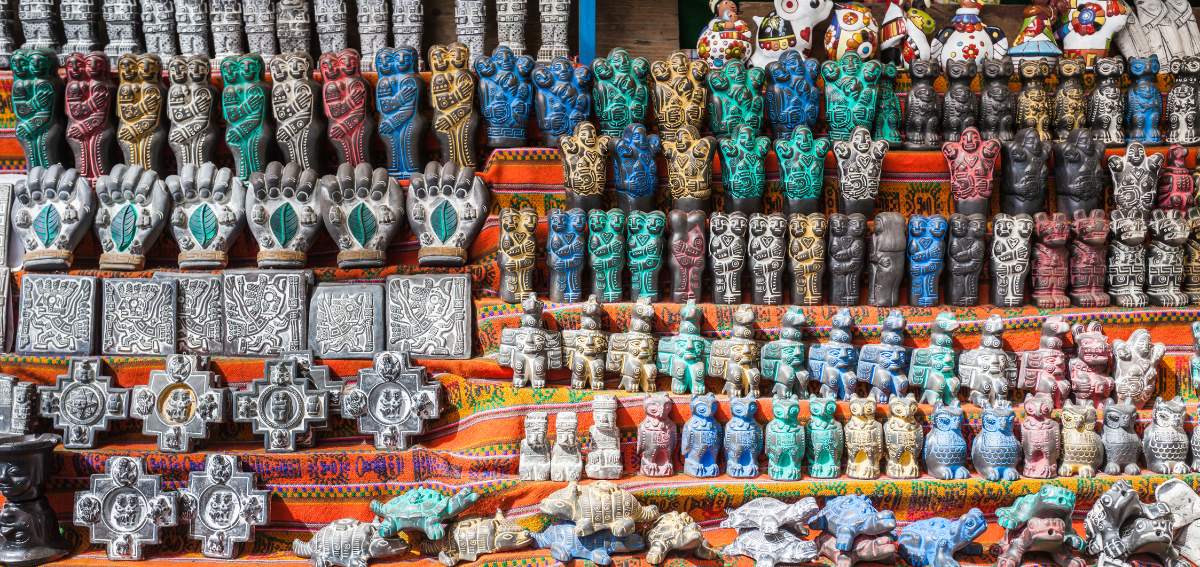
column 429, row 315
column 735, row 360
column 89, row 101
column 727, row 37
column 1036, row 40
column 967, row 37
column 78, row 20
column 606, row 253
column 922, row 119
column 851, row 90
column 825, row 439
column 904, row 34
column 566, row 458
column 945, row 452
column 1127, row 259
column 793, row 98
column 1106, row 103
column 635, row 171
column 743, row 169
column 294, row 98
column 801, row 169
column 530, row 350
column 1181, row 112
column 852, row 29
column 960, row 108
column 1079, row 172
column 1143, row 108
column 516, row 254
column 885, row 365
column 208, row 213
column 373, row 401
column 621, row 94
column 244, row 103
column 727, row 254
column 452, row 92
column 37, row 104
column 1034, row 102
column 847, row 256
column 564, row 98
column 785, row 440
column 565, row 253
column 987, row 372
column 926, row 258
column 1049, row 273
column 208, row 499
column 130, row 216
column 806, row 257
column 446, row 207
column 886, row 257
column 102, row 508
column 505, row 95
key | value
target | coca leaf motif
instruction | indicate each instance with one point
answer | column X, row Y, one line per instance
column 47, row 224
column 124, row 226
column 444, row 220
column 284, row 223
column 203, row 225
column 363, row 224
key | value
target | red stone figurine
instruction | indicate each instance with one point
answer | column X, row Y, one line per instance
column 972, row 162
column 1091, row 367
column 1176, row 184
column 89, row 98
column 1044, row 371
column 1050, row 260
column 1089, row 259
column 347, row 106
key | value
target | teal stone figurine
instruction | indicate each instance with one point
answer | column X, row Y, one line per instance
column 932, row 367
column 887, row 110
column 645, row 245
column 825, row 439
column 785, row 440
column 684, row 356
column 783, row 359
column 244, row 103
column 37, row 102
column 851, row 91
column 801, row 170
column 621, row 92
column 422, row 509
column 743, row 169
column 735, row 98
column 606, row 253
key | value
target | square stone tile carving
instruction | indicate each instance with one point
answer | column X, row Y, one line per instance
column 199, row 311
column 58, row 315
column 266, row 312
column 139, row 317
column 346, row 321
column 429, row 315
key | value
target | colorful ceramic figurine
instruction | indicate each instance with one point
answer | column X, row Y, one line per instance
column 988, row 372
column 645, row 247
column 633, row 354
column 1176, row 183
column 727, row 254
column 1122, row 446
column 1089, row 260
column 727, row 37
column 1164, row 443
column 933, row 541
column 1050, row 260
column 735, row 98
column 679, row 94
column 1086, row 29
column 806, row 257
column 587, row 347
column 1182, row 114
column 773, row 38
column 887, row 113
column 245, row 105
column 1044, row 371
column 834, row 364
column 967, row 37
column 684, row 356
column 1082, row 451
column 530, row 350
column 1079, row 172
column 505, row 95
column 208, row 213
column 1144, row 102
column 997, row 102
column 606, row 253
column 972, row 163
column 945, row 452
column 89, row 101
column 1010, row 258
column 960, row 108
column 785, row 440
column 657, row 436
column 398, row 91
column 904, row 437
column 743, row 169
column 700, row 440
column 885, row 365
column 886, row 256
column 922, row 118
column 825, row 439
column 140, row 95
column 133, row 208
column 37, row 103
column 346, row 97
column 585, row 167
column 446, row 206
column 783, row 359
column 965, row 252
column 1127, row 259
column 932, row 367
column 801, row 169
column 860, row 162
column 736, row 359
column 688, row 252
column 564, row 98
column 864, row 440
column 191, row 108
column 904, row 34
column 452, row 92
column 852, row 31
column 1041, row 438
column 635, row 172
column 517, row 253
column 847, row 256
column 1165, row 258
column 1034, row 102
column 689, row 168
column 565, row 249
column 1090, row 368
column 926, row 257
column 793, row 98
column 1070, row 106
column 621, row 95
column 1040, row 523
column 743, row 439
column 995, row 452
column 850, row 94
column 1106, row 103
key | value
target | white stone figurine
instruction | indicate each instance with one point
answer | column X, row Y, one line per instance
column 566, row 462
column 1166, row 28
column 604, row 460
column 408, row 20
column 470, row 18
column 555, row 14
column 534, row 463
column 510, row 24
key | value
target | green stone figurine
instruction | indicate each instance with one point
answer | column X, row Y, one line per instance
column 684, row 356
column 825, row 439
column 645, row 244
column 735, row 97
column 244, row 103
column 851, row 89
column 37, row 102
column 887, row 112
column 785, row 440
column 932, row 367
column 743, row 170
column 621, row 93
column 801, row 170
column 606, row 251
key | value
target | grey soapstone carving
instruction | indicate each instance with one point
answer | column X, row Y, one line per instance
column 331, row 24
column 534, row 462
column 57, row 315
column 82, row 403
column 223, row 506
column 6, row 200
column 37, row 24
column 7, row 41
column 281, row 406
column 510, row 24
column 860, row 162
column 586, row 348
column 179, row 402
column 265, row 311
column 531, row 350
column 470, row 16
column 139, row 317
column 393, row 400
column 52, row 211
column 282, row 214
column 555, row 15
column 295, row 98
column 372, row 30
column 131, row 216
column 363, row 210
column 727, row 255
column 346, row 320
column 443, row 192
column 604, row 459
column 319, row 377
column 17, row 405
column 566, row 461
column 201, row 313
column 766, row 250
column 293, row 25
column 259, row 23
column 191, row 108
column 208, row 216
column 125, row 508
column 227, row 26
column 123, row 21
column 6, row 312
column 78, row 19
column 191, row 24
column 408, row 21
column 429, row 315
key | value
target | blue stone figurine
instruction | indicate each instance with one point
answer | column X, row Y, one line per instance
column 1144, row 105
column 885, row 365
column 743, row 439
column 566, row 247
column 635, row 172
column 700, row 441
column 793, row 98
column 932, row 542
column 565, row 545
column 995, row 451
column 505, row 96
column 398, row 99
column 834, row 363
column 564, row 98
column 945, row 453
column 735, row 98
column 926, row 257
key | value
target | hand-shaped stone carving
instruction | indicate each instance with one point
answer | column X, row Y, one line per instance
column 244, row 104
column 621, row 94
column 564, row 98
column 294, row 99
column 398, row 99
column 452, row 92
column 51, row 212
column 37, row 105
column 132, row 214
column 679, row 93
column 363, row 210
column 140, row 129
column 347, row 100
column 191, row 104
column 209, row 212
column 282, row 212
column 585, row 166
column 446, row 208
column 89, row 105
column 735, row 98
column 505, row 96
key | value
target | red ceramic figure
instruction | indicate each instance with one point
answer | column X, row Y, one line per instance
column 972, row 162
column 347, row 106
column 1176, row 185
column 89, row 98
column 1050, row 260
column 1044, row 371
column 1091, row 367
column 1089, row 259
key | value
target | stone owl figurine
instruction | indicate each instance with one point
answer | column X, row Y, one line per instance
column 904, row 438
column 1122, row 447
column 1082, row 451
column 864, row 440
column 945, row 447
column 995, row 451
column 1164, row 443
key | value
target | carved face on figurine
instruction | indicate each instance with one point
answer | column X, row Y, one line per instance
column 1092, row 345
column 87, row 66
column 34, row 64
column 704, row 406
column 451, row 57
column 19, row 478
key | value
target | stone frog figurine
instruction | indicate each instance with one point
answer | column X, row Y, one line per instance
column 801, row 169
column 505, row 95
column 998, row 103
column 933, row 541
column 1034, row 108
column 1070, row 104
column 37, row 103
column 679, row 94
column 191, row 108
column 1089, row 259
column 1050, row 260
column 922, row 120
column 793, row 98
column 1183, row 118
column 886, row 255
column 564, row 97
column 1122, row 446
column 452, row 92
column 743, row 439
column 89, row 103
column 1040, row 522
column 1136, row 373
column 245, row 103
column 960, row 110
column 1144, row 102
column 965, row 253
column 972, row 164
column 1041, row 438
column 1120, row 526
column 864, row 440
column 945, row 453
column 1106, row 103
column 398, row 98
column 825, row 439
column 621, row 94
column 859, row 161
column 926, row 258
column 140, row 108
column 1079, row 173
column 1025, row 169
column 657, row 437
column 700, row 440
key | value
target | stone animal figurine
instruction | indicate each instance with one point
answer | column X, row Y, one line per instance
column 564, row 98
column 1176, row 183
column 679, row 94
column 1044, row 371
column 398, row 90
column 606, row 253
column 700, row 440
column 89, row 103
column 346, row 100
column 585, row 166
column 1025, row 161
column 422, row 509
column 1070, row 103
column 452, row 92
column 743, row 439
column 887, row 257
column 972, row 164
column 736, row 359
column 825, row 439
column 885, row 365
column 597, row 507
column 849, row 517
column 801, row 169
column 945, row 453
column 772, row 516
column 766, row 247
column 1119, row 526
column 657, row 436
column 1034, row 103
column 1165, row 258
column 688, row 252
column 1089, row 259
column 348, row 542
column 727, row 255
column 860, row 161
column 635, row 172
column 1079, row 173
column 1143, row 106
column 689, row 168
column 783, row 359
column 833, row 364
column 1106, row 103
column 472, row 538
column 566, row 544
column 904, row 438
column 1127, row 259
column 1136, row 372
column 785, row 440
column 847, row 255
column 1122, row 446
column 517, row 253
column 534, row 463
column 1050, row 261
column 1164, row 443
column 960, row 110
column 684, row 357
column 1040, row 523
column 743, row 171
column 1135, row 177
column 677, row 531
column 922, row 119
column 633, row 353
column 505, row 95
column 1082, row 450
column 566, row 458
column 933, row 541
column 864, row 440
column 926, row 259
column 621, row 94
column 806, row 257
column 989, row 371
column 1183, row 118
column 965, row 253
column 995, row 451
column 37, row 104
column 566, row 247
column 1010, row 258
column 1041, row 438
column 997, row 102
column 1181, row 500
column 1091, row 367
column 783, row 547
column 140, row 105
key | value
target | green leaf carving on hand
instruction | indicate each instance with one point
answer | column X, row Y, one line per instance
column 124, row 226
column 363, row 224
column 444, row 221
column 284, row 223
column 47, row 225
column 203, row 225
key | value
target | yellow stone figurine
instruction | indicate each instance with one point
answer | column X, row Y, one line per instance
column 140, row 99
column 452, row 91
column 679, row 94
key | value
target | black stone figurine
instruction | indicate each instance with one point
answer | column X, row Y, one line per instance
column 1106, row 103
column 847, row 255
column 1079, row 173
column 967, row 247
column 29, row 533
column 922, row 118
column 961, row 108
column 997, row 102
column 886, row 269
column 1026, row 165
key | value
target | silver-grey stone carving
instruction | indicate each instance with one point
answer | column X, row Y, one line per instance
column 534, row 462
column 392, row 401
column 604, row 459
column 1164, row 442
column 988, row 371
column 158, row 27
column 179, row 402
column 200, row 311
column 363, row 209
column 1010, row 258
column 52, row 212
column 346, row 320
column 6, row 311
column 82, row 402
column 566, row 458
column 331, row 24
column 259, row 22
column 555, row 15
column 1184, row 504
column 223, row 506
column 6, row 199
column 1182, row 115
column 266, row 312
column 429, row 315
column 470, row 17
column 408, row 21
column 727, row 255
column 586, row 348
column 123, row 22
column 126, row 508
column 191, row 109
column 447, row 191
column 766, row 252
column 1165, row 258
column 293, row 25
column 227, row 26
column 79, row 19
column 319, row 377
column 1136, row 372
column 859, row 161
column 191, row 23
column 530, row 350
column 1135, row 177
column 510, row 24
column 208, row 216
column 139, row 317
column 131, row 216
column 372, row 30
column 281, row 406
column 57, row 315
column 17, row 405
column 283, row 218
column 7, row 41
column 295, row 97
column 37, row 24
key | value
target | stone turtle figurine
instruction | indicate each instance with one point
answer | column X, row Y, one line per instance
column 348, row 543
column 932, row 542
column 867, row 549
column 596, row 507
column 767, row 551
column 565, row 544
column 676, row 531
column 848, row 517
column 471, row 538
column 772, row 515
column 422, row 509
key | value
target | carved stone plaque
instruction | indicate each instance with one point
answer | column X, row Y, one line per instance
column 346, row 320
column 16, row 405
column 319, row 377
column 58, row 315
column 6, row 313
column 126, row 508
column 199, row 311
column 139, row 317
column 281, row 406
column 392, row 401
column 83, row 402
column 179, row 402
column 266, row 313
column 223, row 506
column 429, row 316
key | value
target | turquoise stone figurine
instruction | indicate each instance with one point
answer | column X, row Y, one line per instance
column 684, row 356
column 793, row 98
column 37, row 102
column 801, row 169
column 743, row 170
column 735, row 98
column 645, row 244
column 564, row 98
column 244, row 103
column 887, row 112
column 635, row 172
column 932, row 367
column 505, row 96
column 621, row 93
column 851, row 91
column 398, row 99
column 783, row 358
column 785, row 440
column 743, row 439
column 606, row 253
column 700, row 441
column 825, row 439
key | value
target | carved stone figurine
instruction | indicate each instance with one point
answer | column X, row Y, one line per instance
column 621, row 94
column 1191, row 266
column 700, row 440
column 644, row 243
column 783, row 359
column 1176, row 183
column 606, row 253
column 52, row 210
column 903, row 437
column 469, row 19
column 32, row 535
column 245, row 105
column 566, row 245
column 743, row 438
column 825, row 439
column 851, row 87
column 887, row 260
column 1122, row 446
column 785, row 440
column 1164, row 443
column 1136, row 372
column 1143, row 106
column 806, row 257
column 965, row 253
column 679, row 93
column 1082, row 451
column 192, row 25
column 793, row 98
column 860, row 161
column 743, row 168
column 293, row 25
column 295, row 97
column 972, row 163
column 363, row 210
column 1040, row 522
column 452, row 92
column 635, row 170
column 1183, row 118
column 604, row 458
column 566, row 458
column 736, row 359
column 1135, row 176
column 585, row 167
column 926, row 258
column 684, row 356
column 1079, row 173
column 505, row 95
column 37, row 103
column 997, row 104
column 688, row 252
column 1120, row 527
column 517, row 253
column 444, row 192
column 887, row 112
column 633, row 354
column 132, row 214
column 372, row 30
column 1041, row 438
column 922, row 119
column 346, row 99
column 945, row 452
column 1091, row 367
column 834, row 364
column 1165, row 258
column 89, row 103
column 1106, row 103
column 1070, row 104
column 885, row 365
column 586, row 347
column 1127, row 259
column 208, row 213
column 122, row 22
column 530, row 350
column 657, row 436
column 331, row 25
column 534, row 462
column 689, row 168
column 227, row 25
column 1089, row 259
column 767, row 244
column 960, row 109
column 1034, row 103
column 727, row 255
column 191, row 108
column 259, row 21
column 1025, row 162
column 801, row 169
column 1050, row 260
column 847, row 255
column 1044, row 371
column 735, row 98
column 995, row 451
column 1010, row 258
column 988, row 372
column 864, row 440
column 932, row 367
column 564, row 98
